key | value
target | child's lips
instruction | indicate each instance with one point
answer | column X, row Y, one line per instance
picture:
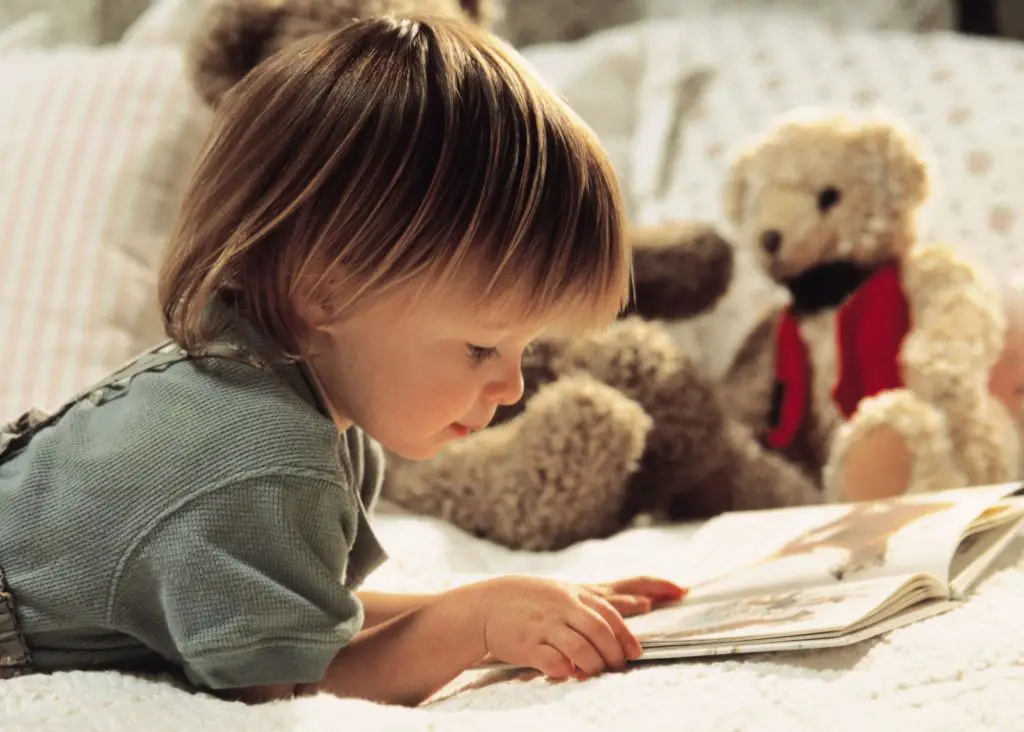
column 461, row 430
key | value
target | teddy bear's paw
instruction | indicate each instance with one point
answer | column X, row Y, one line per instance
column 987, row 442
column 894, row 444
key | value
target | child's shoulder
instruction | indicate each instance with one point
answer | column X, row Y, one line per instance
column 215, row 418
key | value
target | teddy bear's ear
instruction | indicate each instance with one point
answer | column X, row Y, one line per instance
column 737, row 187
column 903, row 171
column 230, row 38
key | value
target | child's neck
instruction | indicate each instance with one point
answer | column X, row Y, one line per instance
column 341, row 421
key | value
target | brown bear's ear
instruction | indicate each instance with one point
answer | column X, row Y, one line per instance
column 230, row 38
column 478, row 11
column 680, row 270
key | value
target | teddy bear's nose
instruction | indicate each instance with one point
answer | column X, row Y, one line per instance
column 771, row 240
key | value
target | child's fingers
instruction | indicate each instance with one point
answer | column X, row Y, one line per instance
column 629, row 605
column 624, row 645
column 653, row 587
column 578, row 649
column 552, row 663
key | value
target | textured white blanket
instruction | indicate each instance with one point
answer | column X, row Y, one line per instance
column 963, row 670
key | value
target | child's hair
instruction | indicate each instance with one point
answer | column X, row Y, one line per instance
column 395, row 151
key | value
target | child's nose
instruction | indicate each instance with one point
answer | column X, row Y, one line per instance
column 508, row 390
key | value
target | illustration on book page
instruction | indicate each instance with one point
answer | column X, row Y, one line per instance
column 789, row 612
column 862, row 535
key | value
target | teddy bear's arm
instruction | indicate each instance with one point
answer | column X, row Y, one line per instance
column 680, row 270
column 750, row 380
column 958, row 327
column 958, row 334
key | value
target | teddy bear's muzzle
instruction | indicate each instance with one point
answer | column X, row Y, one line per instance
column 771, row 241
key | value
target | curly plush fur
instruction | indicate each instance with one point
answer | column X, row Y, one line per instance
column 822, row 188
column 235, row 35
column 614, row 425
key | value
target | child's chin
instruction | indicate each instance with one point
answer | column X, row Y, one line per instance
column 420, row 453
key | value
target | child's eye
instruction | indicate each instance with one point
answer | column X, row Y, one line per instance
column 479, row 354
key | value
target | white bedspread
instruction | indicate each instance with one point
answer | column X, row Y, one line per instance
column 959, row 671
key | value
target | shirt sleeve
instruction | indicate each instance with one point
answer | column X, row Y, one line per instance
column 243, row 585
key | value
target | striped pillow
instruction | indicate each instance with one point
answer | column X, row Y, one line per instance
column 95, row 151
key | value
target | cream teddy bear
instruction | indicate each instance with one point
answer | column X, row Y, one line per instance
column 877, row 374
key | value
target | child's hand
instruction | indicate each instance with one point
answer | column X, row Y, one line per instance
column 638, row 595
column 559, row 629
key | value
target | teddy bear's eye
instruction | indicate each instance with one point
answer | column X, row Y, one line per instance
column 828, row 198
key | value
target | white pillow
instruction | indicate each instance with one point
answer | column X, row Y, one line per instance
column 96, row 147
column 166, row 22
column 34, row 31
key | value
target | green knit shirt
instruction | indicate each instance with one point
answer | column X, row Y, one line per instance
column 208, row 515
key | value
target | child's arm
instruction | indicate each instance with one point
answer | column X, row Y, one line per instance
column 379, row 607
column 556, row 628
column 630, row 597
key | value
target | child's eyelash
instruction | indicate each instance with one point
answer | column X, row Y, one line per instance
column 478, row 354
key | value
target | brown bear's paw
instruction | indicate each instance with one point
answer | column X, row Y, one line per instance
column 894, row 444
column 557, row 474
column 580, row 443
column 680, row 270
column 632, row 355
column 757, row 478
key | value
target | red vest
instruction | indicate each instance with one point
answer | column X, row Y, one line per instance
column 871, row 326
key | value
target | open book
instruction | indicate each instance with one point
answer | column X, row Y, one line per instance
column 832, row 575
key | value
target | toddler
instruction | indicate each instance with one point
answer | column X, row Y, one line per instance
column 383, row 219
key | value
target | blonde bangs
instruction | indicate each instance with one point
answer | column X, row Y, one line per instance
column 390, row 152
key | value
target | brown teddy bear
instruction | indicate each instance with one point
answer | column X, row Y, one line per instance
column 614, row 426
column 235, row 35
column 875, row 376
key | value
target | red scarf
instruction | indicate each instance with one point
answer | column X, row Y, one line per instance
column 871, row 326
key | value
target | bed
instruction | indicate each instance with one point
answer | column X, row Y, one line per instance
column 94, row 154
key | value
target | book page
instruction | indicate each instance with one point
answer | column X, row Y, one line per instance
column 977, row 552
column 821, row 546
column 788, row 614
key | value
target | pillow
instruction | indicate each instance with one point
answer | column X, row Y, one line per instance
column 165, row 22
column 79, row 22
column 95, row 151
column 34, row 31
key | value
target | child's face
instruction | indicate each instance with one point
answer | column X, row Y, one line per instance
column 417, row 378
